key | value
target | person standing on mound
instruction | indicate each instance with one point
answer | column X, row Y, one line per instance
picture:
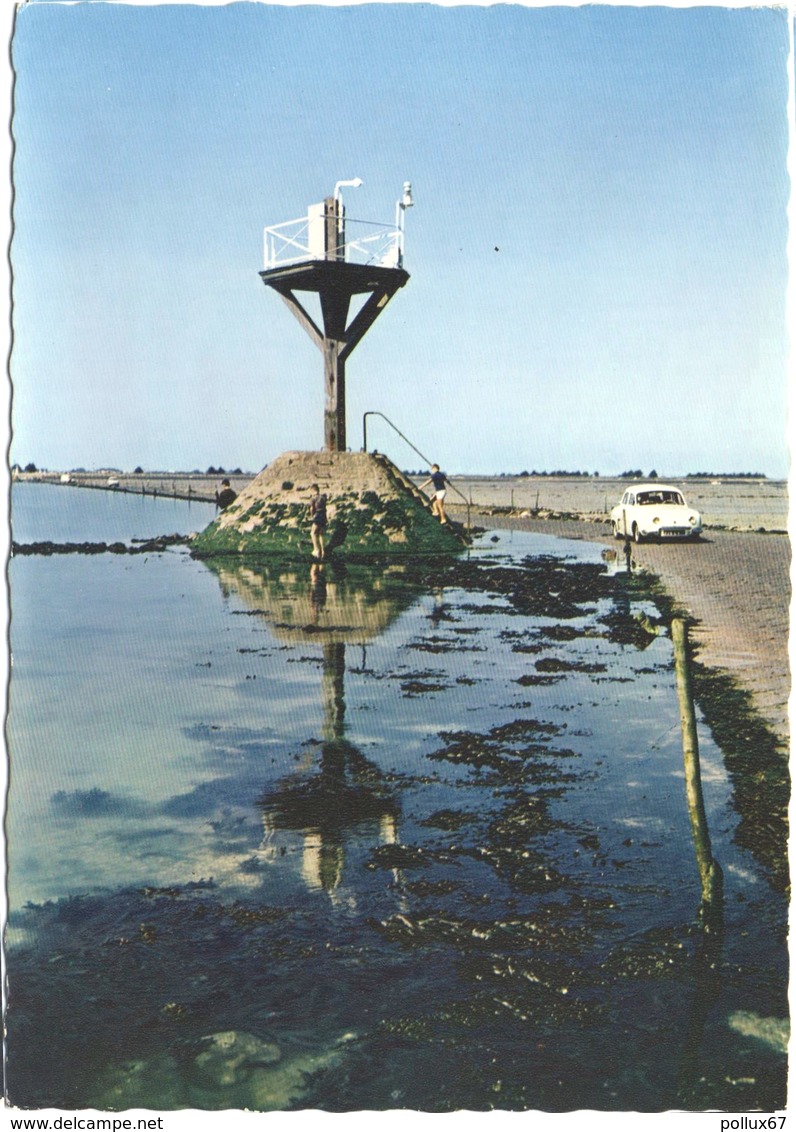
column 317, row 513
column 440, row 482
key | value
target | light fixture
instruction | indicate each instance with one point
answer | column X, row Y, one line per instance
column 401, row 206
column 355, row 183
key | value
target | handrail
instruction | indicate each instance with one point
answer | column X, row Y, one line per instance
column 425, row 459
column 376, row 413
column 289, row 243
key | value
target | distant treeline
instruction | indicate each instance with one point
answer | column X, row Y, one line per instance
column 631, row 474
column 517, row 475
column 726, row 476
column 558, row 472
column 138, row 471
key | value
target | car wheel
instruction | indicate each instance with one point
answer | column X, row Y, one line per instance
column 617, row 530
column 636, row 533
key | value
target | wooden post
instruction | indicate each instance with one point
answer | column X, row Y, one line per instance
column 334, row 434
column 709, row 870
column 334, row 232
column 711, row 912
column 335, row 315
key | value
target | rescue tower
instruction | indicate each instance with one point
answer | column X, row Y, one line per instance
column 317, row 254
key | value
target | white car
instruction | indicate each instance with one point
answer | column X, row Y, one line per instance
column 654, row 510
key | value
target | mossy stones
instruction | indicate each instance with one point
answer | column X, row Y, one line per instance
column 372, row 512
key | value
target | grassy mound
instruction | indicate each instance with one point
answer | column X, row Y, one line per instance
column 372, row 511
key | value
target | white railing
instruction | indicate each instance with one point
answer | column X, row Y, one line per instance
column 361, row 241
column 286, row 243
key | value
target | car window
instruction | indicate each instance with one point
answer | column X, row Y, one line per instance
column 630, row 500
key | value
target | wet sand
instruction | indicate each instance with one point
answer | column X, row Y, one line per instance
column 736, row 585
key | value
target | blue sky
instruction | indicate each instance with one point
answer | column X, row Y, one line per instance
column 597, row 251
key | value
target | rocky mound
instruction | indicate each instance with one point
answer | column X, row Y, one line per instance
column 373, row 510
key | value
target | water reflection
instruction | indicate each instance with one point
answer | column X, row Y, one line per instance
column 351, row 604
column 627, row 623
column 339, row 796
column 503, row 918
column 336, row 795
column 619, row 562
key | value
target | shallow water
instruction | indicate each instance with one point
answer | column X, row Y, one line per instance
column 59, row 513
column 411, row 838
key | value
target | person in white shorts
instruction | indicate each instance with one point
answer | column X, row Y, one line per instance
column 440, row 482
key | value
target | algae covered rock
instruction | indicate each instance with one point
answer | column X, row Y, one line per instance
column 230, row 1057
column 233, row 1070
column 373, row 510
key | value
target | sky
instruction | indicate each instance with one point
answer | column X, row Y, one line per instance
column 597, row 250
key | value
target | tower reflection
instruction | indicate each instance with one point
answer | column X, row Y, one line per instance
column 343, row 796
column 337, row 797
